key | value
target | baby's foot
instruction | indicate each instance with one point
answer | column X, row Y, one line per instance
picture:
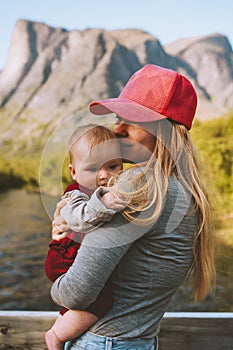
column 52, row 341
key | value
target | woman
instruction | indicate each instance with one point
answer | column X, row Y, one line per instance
column 163, row 236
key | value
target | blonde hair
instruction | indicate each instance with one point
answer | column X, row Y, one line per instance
column 95, row 134
column 174, row 155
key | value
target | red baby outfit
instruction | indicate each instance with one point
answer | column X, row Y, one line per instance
column 60, row 257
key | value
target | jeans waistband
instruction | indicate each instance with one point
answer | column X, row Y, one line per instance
column 91, row 341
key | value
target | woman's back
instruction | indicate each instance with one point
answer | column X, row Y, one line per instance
column 150, row 272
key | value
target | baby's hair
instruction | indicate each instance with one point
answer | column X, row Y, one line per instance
column 95, row 134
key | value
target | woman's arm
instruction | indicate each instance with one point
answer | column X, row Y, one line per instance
column 100, row 253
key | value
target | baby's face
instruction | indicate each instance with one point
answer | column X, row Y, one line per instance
column 93, row 168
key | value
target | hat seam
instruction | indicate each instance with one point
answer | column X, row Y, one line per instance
column 169, row 95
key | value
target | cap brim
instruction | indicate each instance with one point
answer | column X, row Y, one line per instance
column 126, row 109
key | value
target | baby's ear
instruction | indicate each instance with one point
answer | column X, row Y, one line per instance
column 72, row 171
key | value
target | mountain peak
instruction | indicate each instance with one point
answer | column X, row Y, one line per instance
column 51, row 72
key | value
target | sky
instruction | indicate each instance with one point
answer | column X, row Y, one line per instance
column 167, row 20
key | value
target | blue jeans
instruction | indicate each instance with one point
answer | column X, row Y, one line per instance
column 91, row 341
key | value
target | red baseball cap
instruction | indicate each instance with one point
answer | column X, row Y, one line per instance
column 152, row 93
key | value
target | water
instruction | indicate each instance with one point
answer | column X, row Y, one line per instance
column 24, row 238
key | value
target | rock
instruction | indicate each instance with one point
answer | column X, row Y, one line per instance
column 52, row 73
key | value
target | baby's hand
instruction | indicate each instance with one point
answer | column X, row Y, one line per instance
column 60, row 229
column 113, row 201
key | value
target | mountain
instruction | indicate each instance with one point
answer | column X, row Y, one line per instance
column 52, row 73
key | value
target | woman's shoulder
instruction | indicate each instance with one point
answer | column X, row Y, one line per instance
column 178, row 196
column 176, row 185
column 177, row 189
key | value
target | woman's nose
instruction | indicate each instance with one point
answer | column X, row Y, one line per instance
column 120, row 129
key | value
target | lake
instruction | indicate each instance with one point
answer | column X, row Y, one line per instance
column 24, row 238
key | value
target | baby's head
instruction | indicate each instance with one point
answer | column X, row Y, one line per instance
column 95, row 156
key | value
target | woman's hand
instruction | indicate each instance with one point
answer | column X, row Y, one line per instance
column 60, row 229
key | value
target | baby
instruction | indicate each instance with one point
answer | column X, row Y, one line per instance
column 95, row 157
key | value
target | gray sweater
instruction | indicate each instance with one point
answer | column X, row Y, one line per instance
column 146, row 265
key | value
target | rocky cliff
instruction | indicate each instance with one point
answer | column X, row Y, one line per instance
column 51, row 73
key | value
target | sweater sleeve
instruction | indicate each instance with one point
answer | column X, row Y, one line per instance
column 83, row 214
column 100, row 252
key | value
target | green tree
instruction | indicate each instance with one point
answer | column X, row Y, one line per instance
column 213, row 140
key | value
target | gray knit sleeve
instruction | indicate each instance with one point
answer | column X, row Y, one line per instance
column 99, row 254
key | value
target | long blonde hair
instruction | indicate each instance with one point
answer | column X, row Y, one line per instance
column 174, row 155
